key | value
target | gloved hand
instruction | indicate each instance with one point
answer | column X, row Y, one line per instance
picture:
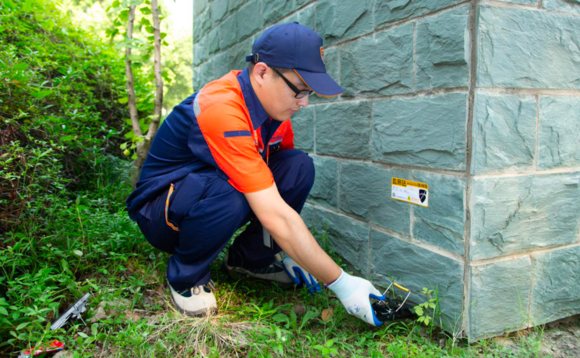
column 354, row 293
column 298, row 274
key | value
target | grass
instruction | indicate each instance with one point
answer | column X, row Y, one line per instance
column 84, row 242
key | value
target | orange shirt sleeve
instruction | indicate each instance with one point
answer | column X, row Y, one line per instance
column 228, row 133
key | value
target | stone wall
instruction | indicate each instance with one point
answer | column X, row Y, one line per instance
column 478, row 99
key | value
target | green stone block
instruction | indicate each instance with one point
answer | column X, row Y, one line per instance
column 343, row 129
column 365, row 192
column 558, row 133
column 338, row 20
column 306, row 17
column 228, row 32
column 415, row 268
column 507, row 50
column 523, row 2
column 213, row 41
column 273, row 10
column 381, row 65
column 443, row 222
column 235, row 4
column 387, row 11
column 555, row 289
column 303, row 127
column 302, row 2
column 421, row 131
column 504, row 133
column 498, row 300
column 248, row 20
column 521, row 214
column 201, row 25
column 331, row 57
column 442, row 50
column 202, row 75
column 325, row 189
column 238, row 53
column 221, row 64
column 572, row 6
column 219, row 10
column 199, row 7
column 347, row 237
column 200, row 51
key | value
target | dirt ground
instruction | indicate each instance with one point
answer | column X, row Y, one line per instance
column 559, row 338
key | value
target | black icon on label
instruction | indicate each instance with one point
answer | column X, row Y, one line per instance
column 422, row 195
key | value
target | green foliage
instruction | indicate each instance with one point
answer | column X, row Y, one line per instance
column 426, row 310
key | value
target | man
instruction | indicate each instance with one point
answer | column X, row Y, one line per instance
column 225, row 157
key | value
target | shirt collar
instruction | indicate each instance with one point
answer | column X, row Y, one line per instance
column 257, row 113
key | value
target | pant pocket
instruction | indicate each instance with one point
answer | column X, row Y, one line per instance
column 182, row 197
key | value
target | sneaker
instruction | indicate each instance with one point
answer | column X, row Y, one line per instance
column 272, row 273
column 197, row 301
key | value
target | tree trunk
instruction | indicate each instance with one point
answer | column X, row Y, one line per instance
column 144, row 146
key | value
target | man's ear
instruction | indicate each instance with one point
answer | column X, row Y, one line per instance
column 259, row 72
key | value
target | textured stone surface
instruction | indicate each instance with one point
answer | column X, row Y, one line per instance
column 504, row 133
column 347, row 237
column 555, row 289
column 506, row 55
column 325, row 189
column 379, row 65
column 415, row 268
column 200, row 51
column 558, row 134
column 303, row 127
column 272, row 10
column 562, row 5
column 365, row 192
column 347, row 129
column 221, row 64
column 442, row 50
column 523, row 2
column 201, row 25
column 241, row 24
column 238, row 53
column 520, row 214
column 235, row 4
column 228, row 33
column 219, row 10
column 199, row 7
column 421, row 131
column 442, row 223
column 213, row 41
column 305, row 17
column 339, row 20
column 202, row 75
column 391, row 10
column 499, row 297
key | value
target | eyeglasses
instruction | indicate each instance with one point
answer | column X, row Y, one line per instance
column 299, row 94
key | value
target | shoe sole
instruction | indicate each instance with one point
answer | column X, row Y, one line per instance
column 237, row 275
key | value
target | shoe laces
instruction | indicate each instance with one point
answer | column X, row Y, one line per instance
column 196, row 290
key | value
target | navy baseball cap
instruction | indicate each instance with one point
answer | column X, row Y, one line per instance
column 300, row 48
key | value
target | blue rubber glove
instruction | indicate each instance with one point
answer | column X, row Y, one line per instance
column 355, row 293
column 298, row 274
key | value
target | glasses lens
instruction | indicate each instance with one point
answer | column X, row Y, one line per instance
column 303, row 94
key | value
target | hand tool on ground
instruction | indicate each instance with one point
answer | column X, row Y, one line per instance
column 393, row 308
column 73, row 311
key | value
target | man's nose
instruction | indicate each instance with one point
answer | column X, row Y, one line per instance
column 303, row 102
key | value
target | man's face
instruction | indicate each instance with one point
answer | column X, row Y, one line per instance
column 278, row 99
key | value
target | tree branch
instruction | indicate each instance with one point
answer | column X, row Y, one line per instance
column 129, row 73
column 158, row 78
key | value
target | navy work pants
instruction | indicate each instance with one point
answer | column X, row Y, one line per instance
column 207, row 211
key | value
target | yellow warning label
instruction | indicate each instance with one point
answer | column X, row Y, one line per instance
column 410, row 191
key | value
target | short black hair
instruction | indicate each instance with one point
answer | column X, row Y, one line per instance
column 279, row 69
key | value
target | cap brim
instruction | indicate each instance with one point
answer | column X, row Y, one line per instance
column 320, row 82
